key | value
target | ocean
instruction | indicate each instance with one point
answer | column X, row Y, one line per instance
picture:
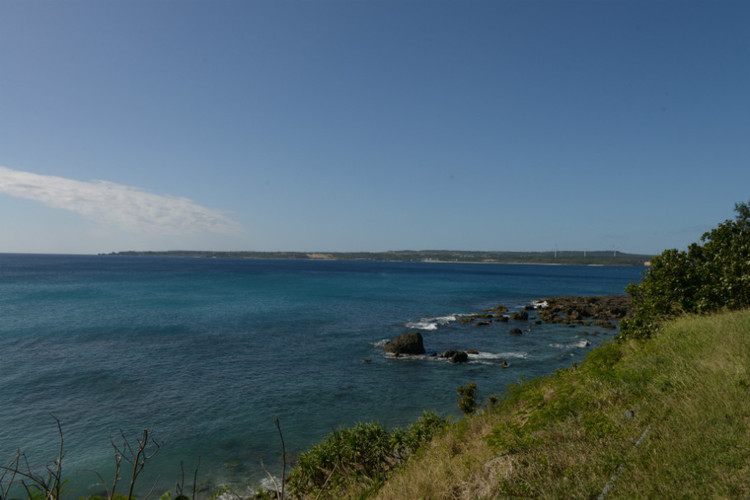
column 206, row 353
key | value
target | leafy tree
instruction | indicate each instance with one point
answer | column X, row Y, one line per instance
column 705, row 278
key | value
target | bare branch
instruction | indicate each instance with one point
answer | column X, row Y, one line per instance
column 101, row 480
column 195, row 476
column 178, row 486
column 118, row 464
column 283, row 457
column 13, row 469
column 137, row 457
column 57, row 474
column 322, row 488
column 153, row 486
column 270, row 476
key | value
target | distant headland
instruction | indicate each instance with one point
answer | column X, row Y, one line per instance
column 581, row 257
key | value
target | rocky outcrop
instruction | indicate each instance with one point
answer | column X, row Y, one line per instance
column 486, row 318
column 592, row 311
column 601, row 310
column 406, row 343
column 520, row 316
column 455, row 356
column 499, row 309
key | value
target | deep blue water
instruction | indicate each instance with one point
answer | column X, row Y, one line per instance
column 209, row 351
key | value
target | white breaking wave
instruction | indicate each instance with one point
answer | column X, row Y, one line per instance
column 499, row 355
column 422, row 325
column 271, row 484
column 431, row 323
column 579, row 343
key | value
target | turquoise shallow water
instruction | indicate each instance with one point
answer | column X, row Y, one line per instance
column 209, row 351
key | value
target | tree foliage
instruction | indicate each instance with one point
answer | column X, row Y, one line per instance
column 711, row 276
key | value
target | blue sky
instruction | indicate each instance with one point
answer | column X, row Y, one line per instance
column 371, row 125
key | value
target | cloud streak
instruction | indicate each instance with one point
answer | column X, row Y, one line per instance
column 112, row 204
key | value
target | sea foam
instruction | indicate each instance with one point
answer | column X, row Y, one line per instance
column 499, row 355
column 431, row 324
column 569, row 345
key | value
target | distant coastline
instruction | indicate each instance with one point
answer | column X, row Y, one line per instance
column 581, row 258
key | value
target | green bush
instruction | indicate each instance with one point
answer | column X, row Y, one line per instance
column 467, row 400
column 710, row 277
column 359, row 455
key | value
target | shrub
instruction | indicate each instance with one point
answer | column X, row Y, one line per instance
column 467, row 400
column 359, row 455
column 709, row 277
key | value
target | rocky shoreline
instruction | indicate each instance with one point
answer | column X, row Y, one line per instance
column 602, row 311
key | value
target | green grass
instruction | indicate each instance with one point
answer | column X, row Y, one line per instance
column 568, row 434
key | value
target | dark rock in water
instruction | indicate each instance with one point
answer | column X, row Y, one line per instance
column 407, row 343
column 460, row 357
column 520, row 316
column 455, row 356
column 500, row 309
column 472, row 351
column 575, row 315
column 483, row 323
column 502, row 319
column 529, row 307
column 516, row 331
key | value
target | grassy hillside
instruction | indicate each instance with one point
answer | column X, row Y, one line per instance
column 566, row 435
column 664, row 418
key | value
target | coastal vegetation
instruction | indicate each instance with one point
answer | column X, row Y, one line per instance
column 707, row 277
column 359, row 458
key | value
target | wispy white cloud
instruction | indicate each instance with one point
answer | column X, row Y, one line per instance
column 112, row 204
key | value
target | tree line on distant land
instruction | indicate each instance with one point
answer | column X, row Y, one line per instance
column 565, row 257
